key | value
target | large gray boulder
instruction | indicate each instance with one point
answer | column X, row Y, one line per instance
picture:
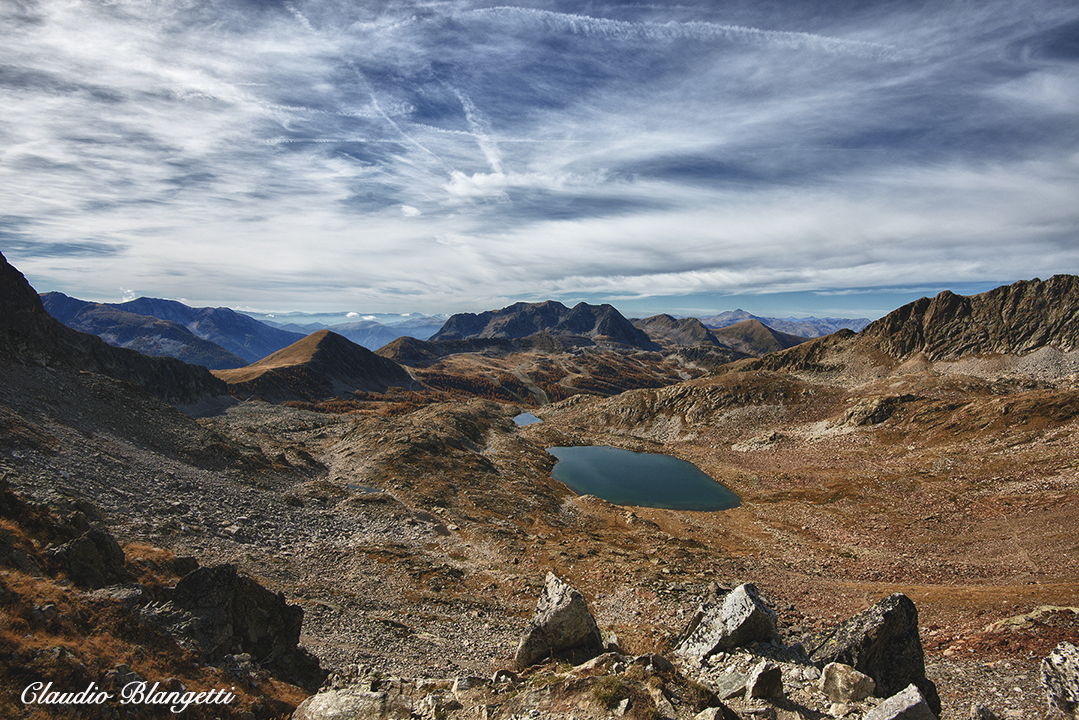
column 561, row 622
column 740, row 619
column 1060, row 679
column 908, row 704
column 882, row 642
column 843, row 684
column 354, row 704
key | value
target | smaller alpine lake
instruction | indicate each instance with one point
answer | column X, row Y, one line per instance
column 624, row 477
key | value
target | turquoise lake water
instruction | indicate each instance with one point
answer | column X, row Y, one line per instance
column 624, row 477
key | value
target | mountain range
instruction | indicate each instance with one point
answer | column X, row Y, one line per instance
column 30, row 335
column 118, row 323
column 600, row 323
column 808, row 327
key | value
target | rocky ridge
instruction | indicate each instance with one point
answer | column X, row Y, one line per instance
column 1029, row 329
column 29, row 335
column 601, row 323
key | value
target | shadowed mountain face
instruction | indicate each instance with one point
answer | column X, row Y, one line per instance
column 601, row 323
column 421, row 353
column 29, row 335
column 749, row 337
column 144, row 333
column 672, row 332
column 320, row 366
column 755, row 338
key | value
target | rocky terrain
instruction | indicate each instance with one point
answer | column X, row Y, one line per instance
column 416, row 537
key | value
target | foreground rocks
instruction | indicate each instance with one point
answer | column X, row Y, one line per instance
column 882, row 642
column 226, row 617
column 740, row 619
column 561, row 622
column 1060, row 679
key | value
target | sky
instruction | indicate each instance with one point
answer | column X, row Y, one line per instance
column 786, row 157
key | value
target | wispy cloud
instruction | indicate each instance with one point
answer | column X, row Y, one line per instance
column 450, row 156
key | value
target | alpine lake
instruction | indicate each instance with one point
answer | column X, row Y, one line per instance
column 624, row 477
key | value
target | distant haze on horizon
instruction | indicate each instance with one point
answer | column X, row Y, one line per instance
column 836, row 159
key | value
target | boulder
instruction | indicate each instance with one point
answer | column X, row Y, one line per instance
column 93, row 560
column 354, row 704
column 881, row 642
column 908, row 704
column 765, row 681
column 216, row 612
column 740, row 619
column 1060, row 679
column 561, row 622
column 719, row 712
column 843, row 684
column 981, row 712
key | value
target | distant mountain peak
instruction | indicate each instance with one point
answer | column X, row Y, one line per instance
column 602, row 323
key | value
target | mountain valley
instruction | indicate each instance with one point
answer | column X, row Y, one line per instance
column 934, row 453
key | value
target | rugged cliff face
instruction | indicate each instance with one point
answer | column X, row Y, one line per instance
column 1014, row 324
column 1016, row 318
column 30, row 335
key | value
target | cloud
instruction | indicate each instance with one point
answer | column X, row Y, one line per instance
column 446, row 156
column 621, row 30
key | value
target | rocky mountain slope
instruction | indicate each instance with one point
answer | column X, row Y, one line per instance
column 1027, row 329
column 1015, row 319
column 674, row 332
column 144, row 333
column 322, row 365
column 600, row 323
column 30, row 336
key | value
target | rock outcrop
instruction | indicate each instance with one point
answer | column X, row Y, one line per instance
column 907, row 704
column 740, row 619
column 217, row 612
column 843, row 684
column 882, row 642
column 1060, row 679
column 93, row 560
column 561, row 622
